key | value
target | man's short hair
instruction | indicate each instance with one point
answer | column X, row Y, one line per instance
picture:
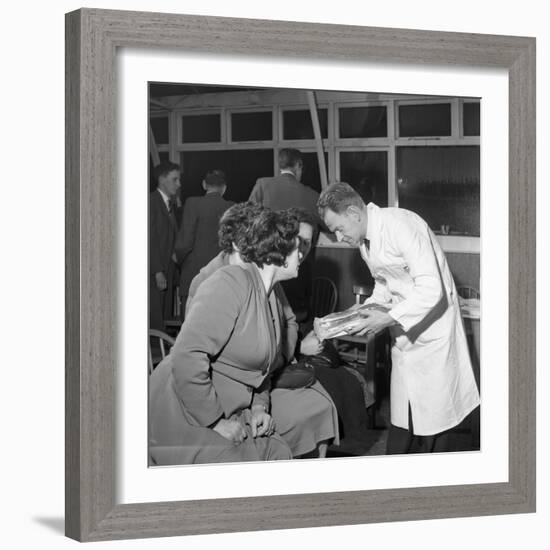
column 338, row 197
column 289, row 158
column 215, row 179
column 164, row 168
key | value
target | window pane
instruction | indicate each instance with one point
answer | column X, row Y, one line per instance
column 297, row 124
column 242, row 169
column 159, row 125
column 425, row 120
column 441, row 184
column 471, row 119
column 201, row 128
column 367, row 173
column 363, row 122
column 252, row 126
column 310, row 174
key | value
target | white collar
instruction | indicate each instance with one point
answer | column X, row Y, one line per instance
column 165, row 197
column 372, row 210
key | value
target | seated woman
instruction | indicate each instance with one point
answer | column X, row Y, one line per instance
column 209, row 398
column 305, row 417
column 345, row 386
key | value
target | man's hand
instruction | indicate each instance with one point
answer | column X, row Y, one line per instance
column 160, row 279
column 261, row 422
column 230, row 429
column 311, row 345
column 373, row 321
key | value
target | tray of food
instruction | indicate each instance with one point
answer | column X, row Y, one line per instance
column 343, row 322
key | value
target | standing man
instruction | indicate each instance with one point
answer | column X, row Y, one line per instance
column 197, row 241
column 432, row 385
column 286, row 191
column 162, row 237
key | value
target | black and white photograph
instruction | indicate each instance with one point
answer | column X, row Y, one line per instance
column 243, row 289
column 314, row 274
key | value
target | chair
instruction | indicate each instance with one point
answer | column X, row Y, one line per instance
column 158, row 353
column 467, row 292
column 324, row 296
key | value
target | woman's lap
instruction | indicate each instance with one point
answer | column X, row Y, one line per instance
column 304, row 417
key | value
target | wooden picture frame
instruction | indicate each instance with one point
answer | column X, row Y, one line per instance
column 92, row 39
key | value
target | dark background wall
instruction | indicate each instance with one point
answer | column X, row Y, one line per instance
column 346, row 268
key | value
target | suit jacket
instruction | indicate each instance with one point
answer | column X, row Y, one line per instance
column 197, row 240
column 162, row 237
column 285, row 191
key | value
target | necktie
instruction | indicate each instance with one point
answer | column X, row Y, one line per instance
column 171, row 214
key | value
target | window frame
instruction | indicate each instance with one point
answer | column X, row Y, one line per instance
column 285, row 100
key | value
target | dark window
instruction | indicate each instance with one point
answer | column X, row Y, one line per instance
column 367, row 173
column 252, row 126
column 471, row 119
column 297, row 124
column 363, row 122
column 441, row 184
column 311, row 175
column 159, row 125
column 242, row 169
column 425, row 120
column 201, row 128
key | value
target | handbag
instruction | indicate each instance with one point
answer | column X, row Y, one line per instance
column 328, row 357
column 294, row 376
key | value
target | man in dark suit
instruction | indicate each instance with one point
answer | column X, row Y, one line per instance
column 162, row 237
column 286, row 191
column 197, row 241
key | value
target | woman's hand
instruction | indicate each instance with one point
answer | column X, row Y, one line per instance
column 311, row 345
column 230, row 429
column 261, row 422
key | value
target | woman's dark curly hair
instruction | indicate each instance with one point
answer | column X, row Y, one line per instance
column 234, row 224
column 270, row 238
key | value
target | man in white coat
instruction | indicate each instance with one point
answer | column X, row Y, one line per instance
column 432, row 386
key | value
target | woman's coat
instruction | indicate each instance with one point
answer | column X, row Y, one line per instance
column 224, row 352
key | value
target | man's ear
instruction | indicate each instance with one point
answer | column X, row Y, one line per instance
column 354, row 212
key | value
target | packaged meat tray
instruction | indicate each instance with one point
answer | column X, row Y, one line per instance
column 342, row 322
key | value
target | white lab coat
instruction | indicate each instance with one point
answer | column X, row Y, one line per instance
column 431, row 368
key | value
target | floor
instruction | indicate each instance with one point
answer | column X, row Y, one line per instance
column 374, row 444
column 375, row 438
